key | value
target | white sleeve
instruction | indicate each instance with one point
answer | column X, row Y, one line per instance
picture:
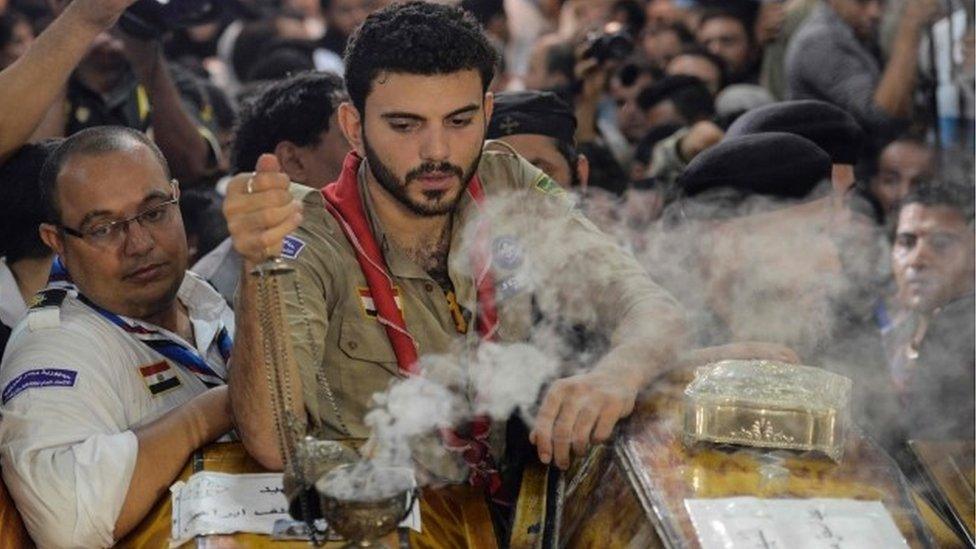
column 66, row 457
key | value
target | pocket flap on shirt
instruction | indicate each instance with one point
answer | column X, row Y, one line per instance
column 366, row 340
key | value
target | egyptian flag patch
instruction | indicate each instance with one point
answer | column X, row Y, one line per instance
column 159, row 377
column 369, row 307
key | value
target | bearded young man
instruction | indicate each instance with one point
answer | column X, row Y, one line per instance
column 417, row 75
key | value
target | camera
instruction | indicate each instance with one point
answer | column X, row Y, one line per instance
column 605, row 46
column 150, row 19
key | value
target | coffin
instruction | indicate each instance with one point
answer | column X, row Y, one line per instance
column 633, row 492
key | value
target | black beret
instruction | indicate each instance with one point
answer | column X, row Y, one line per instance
column 532, row 112
column 832, row 128
column 772, row 164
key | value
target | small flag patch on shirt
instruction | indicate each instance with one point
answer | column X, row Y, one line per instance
column 159, row 377
column 369, row 307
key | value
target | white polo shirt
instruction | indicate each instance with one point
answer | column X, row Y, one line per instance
column 70, row 395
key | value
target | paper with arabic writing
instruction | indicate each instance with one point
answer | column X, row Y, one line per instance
column 222, row 503
column 754, row 523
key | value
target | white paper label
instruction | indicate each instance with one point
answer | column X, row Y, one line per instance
column 222, row 503
column 753, row 523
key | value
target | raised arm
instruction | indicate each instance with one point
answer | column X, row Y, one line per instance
column 893, row 95
column 175, row 131
column 258, row 222
column 31, row 84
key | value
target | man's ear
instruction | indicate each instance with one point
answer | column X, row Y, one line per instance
column 583, row 169
column 51, row 236
column 290, row 160
column 351, row 124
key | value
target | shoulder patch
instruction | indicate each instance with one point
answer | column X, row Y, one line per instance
column 292, row 246
column 546, row 185
column 51, row 297
column 35, row 379
column 44, row 309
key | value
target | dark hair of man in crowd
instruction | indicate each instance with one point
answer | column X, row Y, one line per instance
column 632, row 13
column 297, row 109
column 251, row 44
column 690, row 96
column 698, row 51
column 484, row 10
column 90, row 141
column 958, row 196
column 203, row 221
column 8, row 22
column 415, row 38
column 679, row 29
column 280, row 58
column 729, row 13
column 871, row 164
column 633, row 69
column 21, row 206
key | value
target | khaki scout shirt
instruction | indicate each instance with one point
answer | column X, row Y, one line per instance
column 344, row 355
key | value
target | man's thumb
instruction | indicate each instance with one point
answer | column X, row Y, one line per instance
column 267, row 163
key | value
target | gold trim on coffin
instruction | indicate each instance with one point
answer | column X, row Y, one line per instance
column 768, row 405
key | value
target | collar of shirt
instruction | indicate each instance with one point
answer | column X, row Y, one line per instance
column 12, row 306
column 206, row 309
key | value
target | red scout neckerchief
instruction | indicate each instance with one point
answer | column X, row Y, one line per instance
column 343, row 201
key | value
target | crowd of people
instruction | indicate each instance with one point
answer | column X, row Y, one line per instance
column 666, row 183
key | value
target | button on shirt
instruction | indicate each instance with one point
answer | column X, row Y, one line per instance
column 71, row 396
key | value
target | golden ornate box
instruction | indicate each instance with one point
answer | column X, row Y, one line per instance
column 768, row 404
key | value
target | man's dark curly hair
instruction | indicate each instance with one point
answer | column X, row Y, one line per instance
column 415, row 38
column 295, row 109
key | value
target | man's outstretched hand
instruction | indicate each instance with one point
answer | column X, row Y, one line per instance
column 578, row 411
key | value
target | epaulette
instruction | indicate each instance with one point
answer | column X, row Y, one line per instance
column 45, row 309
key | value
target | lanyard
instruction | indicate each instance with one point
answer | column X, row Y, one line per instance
column 155, row 338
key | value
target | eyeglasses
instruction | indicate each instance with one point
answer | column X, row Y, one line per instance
column 112, row 234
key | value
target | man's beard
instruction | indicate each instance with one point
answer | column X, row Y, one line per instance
column 393, row 185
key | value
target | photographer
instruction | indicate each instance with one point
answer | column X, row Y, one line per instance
column 127, row 81
column 35, row 81
column 597, row 58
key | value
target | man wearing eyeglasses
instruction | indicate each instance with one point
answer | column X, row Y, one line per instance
column 117, row 374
